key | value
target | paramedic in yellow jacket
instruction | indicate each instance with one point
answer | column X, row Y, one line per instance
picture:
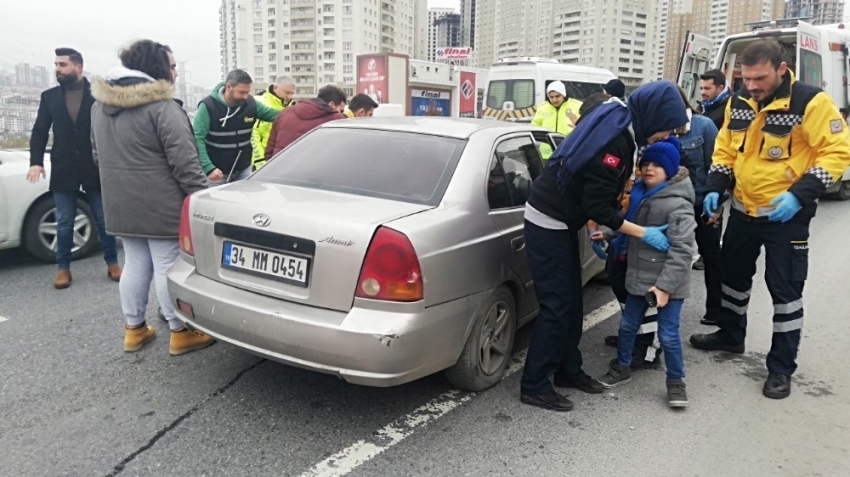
column 278, row 96
column 784, row 143
column 559, row 113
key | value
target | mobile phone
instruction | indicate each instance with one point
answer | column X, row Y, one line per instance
column 651, row 300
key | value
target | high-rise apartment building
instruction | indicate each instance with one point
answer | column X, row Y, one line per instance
column 316, row 43
column 619, row 35
column 31, row 76
column 449, row 31
column 435, row 15
column 659, row 37
column 467, row 19
column 23, row 74
column 716, row 19
column 819, row 12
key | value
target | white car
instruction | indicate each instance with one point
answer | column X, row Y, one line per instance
column 28, row 213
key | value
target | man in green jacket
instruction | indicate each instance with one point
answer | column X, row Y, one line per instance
column 223, row 126
column 278, row 97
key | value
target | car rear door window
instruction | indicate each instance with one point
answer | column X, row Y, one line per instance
column 514, row 166
column 395, row 165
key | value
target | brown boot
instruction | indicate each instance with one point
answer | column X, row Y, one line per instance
column 63, row 279
column 186, row 341
column 135, row 338
column 113, row 271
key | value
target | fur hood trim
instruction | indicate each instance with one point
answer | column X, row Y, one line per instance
column 131, row 95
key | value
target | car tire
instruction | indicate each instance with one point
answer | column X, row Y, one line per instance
column 843, row 192
column 492, row 333
column 37, row 241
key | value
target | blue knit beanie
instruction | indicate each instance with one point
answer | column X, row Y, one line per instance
column 664, row 153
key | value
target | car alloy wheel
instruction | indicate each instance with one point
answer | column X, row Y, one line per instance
column 47, row 230
column 495, row 338
column 486, row 352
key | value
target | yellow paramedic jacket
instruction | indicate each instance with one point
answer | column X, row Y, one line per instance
column 262, row 129
column 556, row 119
column 797, row 143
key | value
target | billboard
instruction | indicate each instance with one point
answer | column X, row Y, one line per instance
column 453, row 53
column 425, row 102
column 372, row 77
column 468, row 94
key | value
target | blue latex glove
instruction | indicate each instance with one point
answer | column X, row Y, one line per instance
column 787, row 205
column 599, row 250
column 709, row 204
column 598, row 246
column 655, row 238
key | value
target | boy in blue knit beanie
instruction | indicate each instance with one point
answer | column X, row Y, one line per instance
column 663, row 196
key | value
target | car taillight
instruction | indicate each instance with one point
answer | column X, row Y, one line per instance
column 185, row 229
column 391, row 269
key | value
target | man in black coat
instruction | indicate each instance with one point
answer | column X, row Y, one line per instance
column 67, row 108
column 715, row 95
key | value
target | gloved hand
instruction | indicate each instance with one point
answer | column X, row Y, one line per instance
column 599, row 250
column 597, row 243
column 655, row 238
column 709, row 204
column 787, row 205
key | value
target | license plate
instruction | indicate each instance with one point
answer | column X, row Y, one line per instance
column 278, row 266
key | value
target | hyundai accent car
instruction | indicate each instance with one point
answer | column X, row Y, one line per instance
column 28, row 213
column 378, row 250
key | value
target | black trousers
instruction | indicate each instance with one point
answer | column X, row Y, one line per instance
column 786, row 262
column 708, row 244
column 553, row 256
column 646, row 347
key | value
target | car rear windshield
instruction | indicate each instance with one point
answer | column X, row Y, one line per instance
column 393, row 165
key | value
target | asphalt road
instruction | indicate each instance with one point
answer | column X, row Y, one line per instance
column 73, row 403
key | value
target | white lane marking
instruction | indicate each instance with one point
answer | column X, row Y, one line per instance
column 362, row 451
column 3, row 318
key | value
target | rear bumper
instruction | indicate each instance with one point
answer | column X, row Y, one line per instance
column 383, row 345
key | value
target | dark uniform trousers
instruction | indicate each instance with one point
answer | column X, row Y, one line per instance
column 708, row 245
column 553, row 256
column 787, row 258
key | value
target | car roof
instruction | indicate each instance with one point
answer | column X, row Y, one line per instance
column 461, row 128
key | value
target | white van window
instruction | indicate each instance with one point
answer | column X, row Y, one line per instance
column 811, row 68
column 578, row 89
column 521, row 92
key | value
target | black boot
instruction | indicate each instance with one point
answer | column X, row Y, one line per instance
column 777, row 386
column 550, row 401
column 709, row 320
column 716, row 341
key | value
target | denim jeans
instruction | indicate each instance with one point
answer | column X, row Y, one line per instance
column 553, row 257
column 66, row 214
column 146, row 261
column 668, row 333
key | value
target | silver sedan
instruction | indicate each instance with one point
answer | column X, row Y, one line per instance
column 378, row 250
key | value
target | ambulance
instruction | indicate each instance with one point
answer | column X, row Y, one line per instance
column 818, row 55
column 517, row 85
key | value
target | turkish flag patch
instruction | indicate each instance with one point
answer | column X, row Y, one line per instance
column 611, row 161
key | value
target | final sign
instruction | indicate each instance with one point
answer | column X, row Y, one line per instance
column 453, row 53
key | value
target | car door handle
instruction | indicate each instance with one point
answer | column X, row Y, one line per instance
column 518, row 244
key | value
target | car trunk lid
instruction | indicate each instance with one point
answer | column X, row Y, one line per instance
column 297, row 244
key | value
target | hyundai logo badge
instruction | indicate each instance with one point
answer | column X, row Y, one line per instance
column 262, row 220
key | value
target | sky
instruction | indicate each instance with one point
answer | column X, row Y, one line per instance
column 31, row 30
